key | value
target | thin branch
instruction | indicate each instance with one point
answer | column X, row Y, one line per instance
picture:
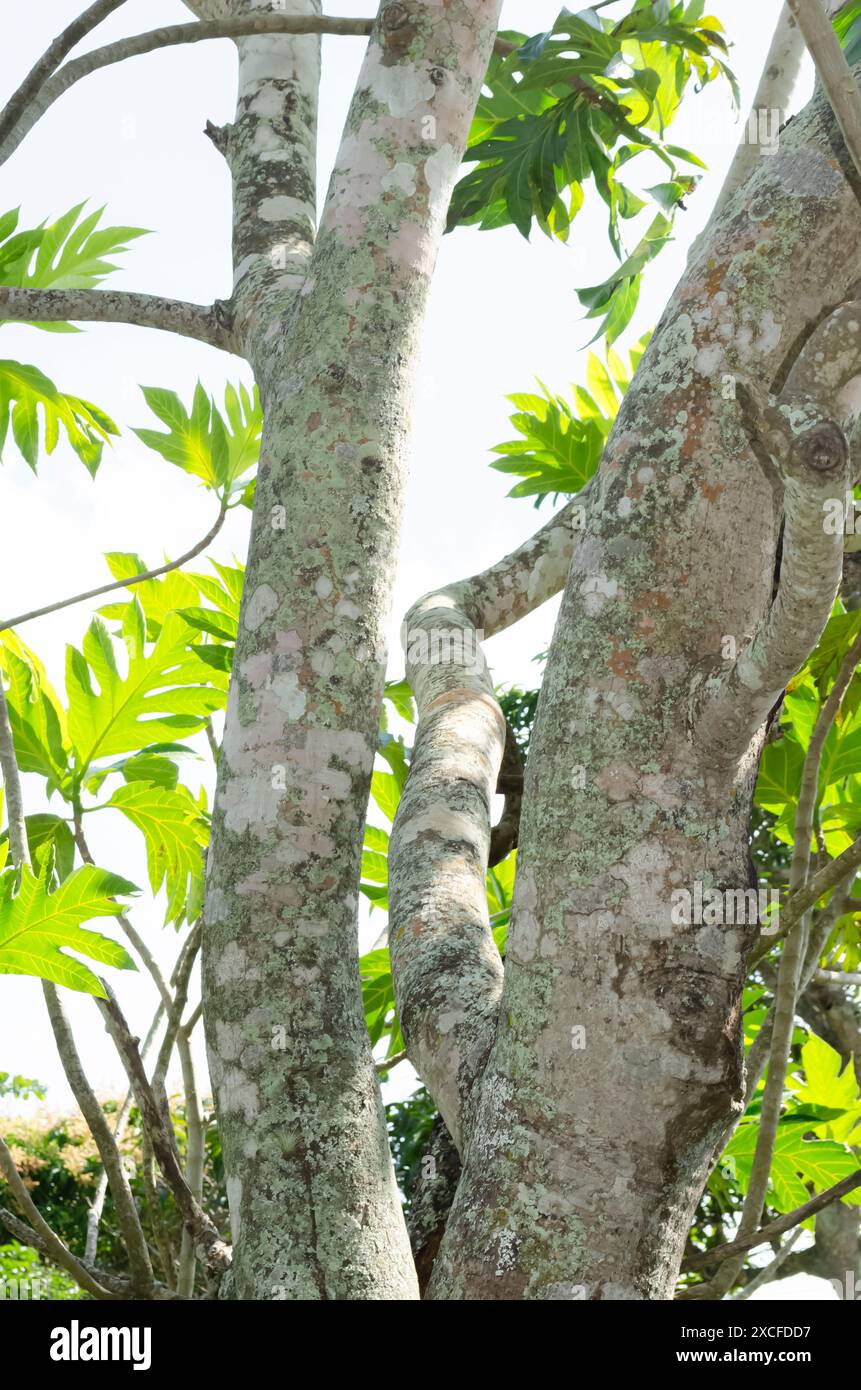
column 833, row 70
column 215, row 1253
column 384, row 1067
column 792, row 962
column 141, row 1270
column 193, row 1019
column 847, row 978
column 779, row 72
column 775, row 1228
column 132, row 934
column 821, row 883
column 94, row 1215
column 136, row 45
column 50, row 1242
column 127, row 1215
column 766, row 1275
column 122, row 583
column 51, row 59
column 18, row 847
column 757, row 1057
column 208, row 323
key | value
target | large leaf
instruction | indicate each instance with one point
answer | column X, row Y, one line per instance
column 164, row 693
column 36, row 713
column 797, row 1161
column 37, row 409
column 176, row 833
column 220, row 452
column 36, row 926
column 69, row 253
column 554, row 111
column 561, row 445
column 827, row 1083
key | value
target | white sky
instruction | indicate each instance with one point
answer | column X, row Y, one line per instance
column 502, row 312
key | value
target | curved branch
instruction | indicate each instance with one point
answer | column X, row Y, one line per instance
column 446, row 969
column 88, row 1104
column 207, row 323
column 42, row 94
column 50, row 60
column 121, row 583
column 805, row 434
column 136, row 45
column 214, row 1252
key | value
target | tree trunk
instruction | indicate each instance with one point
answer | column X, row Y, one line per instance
column 617, row 1062
column 332, row 339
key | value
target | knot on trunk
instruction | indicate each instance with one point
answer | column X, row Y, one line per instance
column 823, row 449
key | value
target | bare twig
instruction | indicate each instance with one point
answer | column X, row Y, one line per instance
column 766, row 1275
column 49, row 1242
column 121, row 583
column 127, row 1215
column 775, row 1228
column 50, row 59
column 215, row 1253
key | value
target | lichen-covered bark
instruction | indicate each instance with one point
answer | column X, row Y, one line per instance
column 617, row 1060
column 314, row 1208
column 271, row 149
column 446, row 969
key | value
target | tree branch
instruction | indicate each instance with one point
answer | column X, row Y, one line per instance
column 121, row 583
column 780, row 70
column 42, row 1236
column 766, row 1275
column 774, row 1228
column 138, row 44
column 127, row 1215
column 50, row 59
column 213, row 1251
column 446, row 968
column 833, row 70
column 804, row 433
column 210, row 324
column 42, row 93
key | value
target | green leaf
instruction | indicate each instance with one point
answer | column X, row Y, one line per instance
column 38, row 410
column 66, row 254
column 386, row 792
column 797, row 1161
column 36, row 713
column 553, row 112
column 168, row 691
column 175, row 833
column 779, row 775
column 830, row 1085
column 36, row 925
column 201, row 442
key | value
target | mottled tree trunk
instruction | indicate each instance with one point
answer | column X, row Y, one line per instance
column 332, row 335
column 617, row 1061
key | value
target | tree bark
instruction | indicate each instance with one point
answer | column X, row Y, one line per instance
column 332, row 337
column 617, row 1061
